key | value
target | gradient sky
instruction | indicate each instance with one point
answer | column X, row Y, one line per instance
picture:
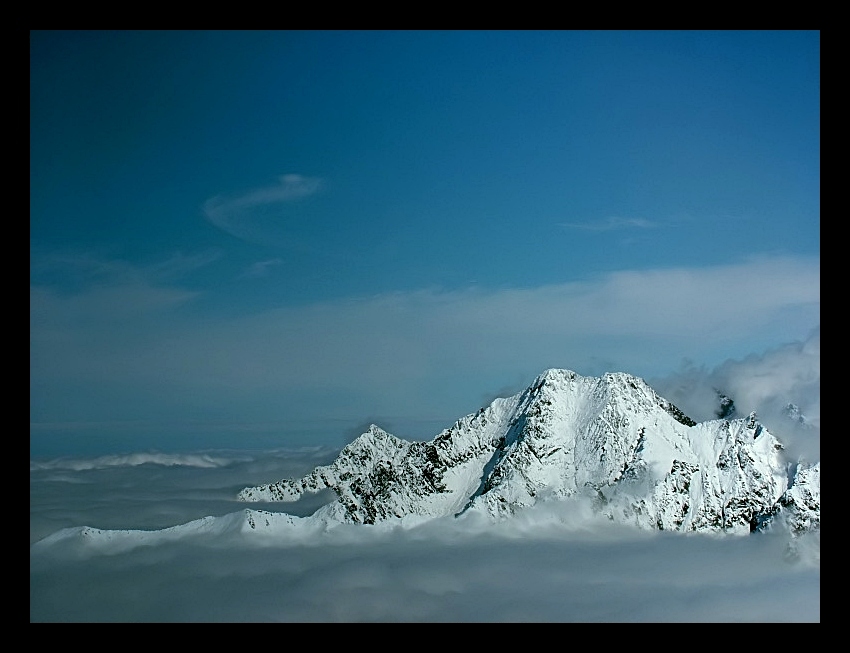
column 278, row 237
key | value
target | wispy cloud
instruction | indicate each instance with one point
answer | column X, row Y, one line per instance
column 613, row 223
column 235, row 215
column 261, row 268
column 180, row 264
column 764, row 382
column 89, row 268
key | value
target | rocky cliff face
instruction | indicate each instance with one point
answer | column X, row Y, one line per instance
column 798, row 509
column 638, row 456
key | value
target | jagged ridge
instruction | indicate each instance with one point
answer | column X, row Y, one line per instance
column 614, row 438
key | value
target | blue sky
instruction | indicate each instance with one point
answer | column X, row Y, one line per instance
column 278, row 237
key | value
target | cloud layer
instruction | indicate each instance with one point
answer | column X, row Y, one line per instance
column 554, row 563
column 425, row 354
column 240, row 215
column 766, row 383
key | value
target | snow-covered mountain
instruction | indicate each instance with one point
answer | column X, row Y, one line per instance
column 612, row 442
column 611, row 438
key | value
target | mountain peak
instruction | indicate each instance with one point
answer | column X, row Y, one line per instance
column 564, row 436
column 555, row 373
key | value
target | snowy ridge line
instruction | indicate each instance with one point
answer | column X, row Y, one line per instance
column 613, row 438
column 234, row 525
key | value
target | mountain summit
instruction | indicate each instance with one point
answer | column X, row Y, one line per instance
column 612, row 438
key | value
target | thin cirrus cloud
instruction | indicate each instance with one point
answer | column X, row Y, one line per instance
column 88, row 269
column 241, row 215
column 83, row 288
column 261, row 268
column 612, row 223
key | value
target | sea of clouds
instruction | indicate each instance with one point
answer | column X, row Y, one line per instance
column 558, row 562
